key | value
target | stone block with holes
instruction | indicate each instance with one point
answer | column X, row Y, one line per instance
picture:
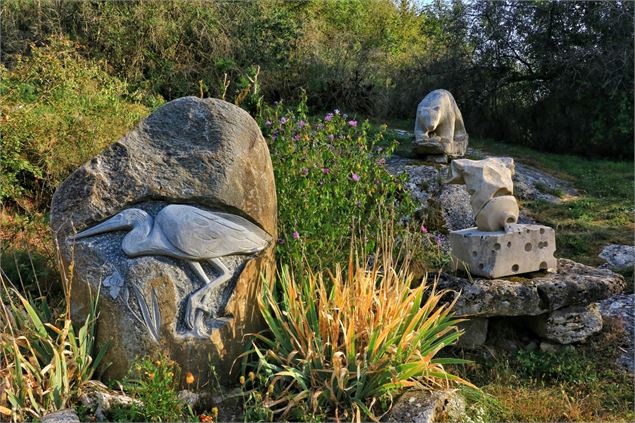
column 523, row 249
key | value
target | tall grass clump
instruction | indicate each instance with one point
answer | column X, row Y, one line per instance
column 44, row 360
column 57, row 110
column 340, row 343
column 330, row 176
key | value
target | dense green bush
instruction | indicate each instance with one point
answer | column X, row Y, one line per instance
column 57, row 110
column 554, row 75
column 330, row 178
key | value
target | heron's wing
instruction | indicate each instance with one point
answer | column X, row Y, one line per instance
column 203, row 235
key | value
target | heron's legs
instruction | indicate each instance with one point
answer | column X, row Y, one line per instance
column 198, row 269
column 197, row 300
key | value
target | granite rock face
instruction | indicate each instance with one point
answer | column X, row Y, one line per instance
column 204, row 153
column 534, row 184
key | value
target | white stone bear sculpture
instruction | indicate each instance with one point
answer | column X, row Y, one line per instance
column 439, row 127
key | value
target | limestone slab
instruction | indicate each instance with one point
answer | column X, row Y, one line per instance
column 573, row 284
column 525, row 248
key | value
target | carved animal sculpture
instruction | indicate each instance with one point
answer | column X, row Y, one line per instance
column 439, row 121
column 489, row 183
column 190, row 234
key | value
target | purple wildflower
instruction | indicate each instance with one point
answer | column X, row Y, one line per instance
column 268, row 122
column 328, row 117
column 301, row 124
column 352, row 123
column 358, row 203
column 326, row 170
column 305, row 171
column 296, row 137
column 283, row 120
column 296, row 235
column 331, row 137
column 355, row 177
column 281, row 241
column 424, row 229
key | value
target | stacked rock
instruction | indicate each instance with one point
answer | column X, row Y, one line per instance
column 498, row 246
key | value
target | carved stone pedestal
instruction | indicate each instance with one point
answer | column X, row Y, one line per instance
column 524, row 249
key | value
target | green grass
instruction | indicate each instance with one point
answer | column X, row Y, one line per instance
column 568, row 385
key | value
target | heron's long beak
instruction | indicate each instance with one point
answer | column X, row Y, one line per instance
column 115, row 223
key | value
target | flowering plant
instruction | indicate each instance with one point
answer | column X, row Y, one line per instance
column 330, row 178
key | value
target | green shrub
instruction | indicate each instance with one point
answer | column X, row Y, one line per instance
column 57, row 110
column 339, row 343
column 330, row 178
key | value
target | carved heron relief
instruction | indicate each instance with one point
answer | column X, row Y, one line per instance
column 187, row 233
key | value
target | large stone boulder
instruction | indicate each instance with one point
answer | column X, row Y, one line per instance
column 200, row 170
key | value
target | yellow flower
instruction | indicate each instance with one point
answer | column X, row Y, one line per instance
column 157, row 363
column 215, row 411
column 252, row 376
column 151, row 376
column 242, row 380
column 270, row 389
column 189, row 378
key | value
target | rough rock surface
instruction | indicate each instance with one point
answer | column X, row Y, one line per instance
column 573, row 284
column 475, row 332
column 67, row 415
column 427, row 407
column 569, row 324
column 202, row 152
column 622, row 307
column 101, row 400
column 618, row 257
column 447, row 207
